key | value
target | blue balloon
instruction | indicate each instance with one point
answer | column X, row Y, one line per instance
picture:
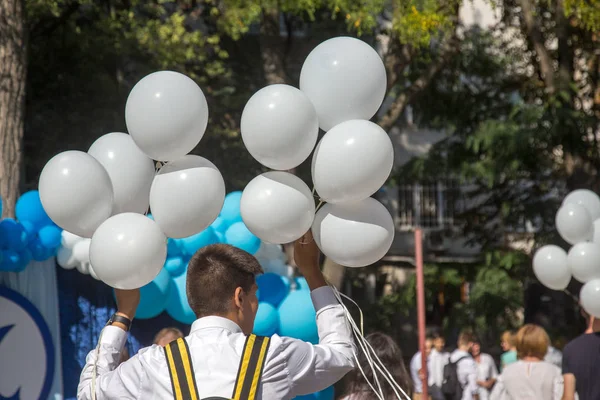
column 30, row 228
column 12, row 235
column 221, row 237
column 286, row 282
column 191, row 244
column 239, row 235
column 12, row 261
column 230, row 213
column 297, row 317
column 175, row 266
column 177, row 302
column 39, row 252
column 272, row 288
column 29, row 208
column 173, row 247
column 0, row 207
column 301, row 284
column 50, row 236
column 150, row 216
column 219, row 225
column 153, row 296
column 326, row 394
column 307, row 397
column 266, row 322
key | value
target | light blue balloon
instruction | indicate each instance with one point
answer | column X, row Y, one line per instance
column 326, row 394
column 177, row 302
column 191, row 244
column 297, row 317
column 173, row 248
column 221, row 237
column 266, row 322
column 12, row 235
column 230, row 213
column 175, row 266
column 153, row 296
column 286, row 282
column 219, row 225
column 301, row 284
column 307, row 397
column 150, row 216
column 239, row 235
column 29, row 208
column 272, row 288
column 50, row 236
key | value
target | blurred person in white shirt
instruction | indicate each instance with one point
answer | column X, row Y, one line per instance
column 416, row 368
column 438, row 358
column 466, row 366
column 487, row 372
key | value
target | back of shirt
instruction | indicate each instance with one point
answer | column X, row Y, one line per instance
column 581, row 357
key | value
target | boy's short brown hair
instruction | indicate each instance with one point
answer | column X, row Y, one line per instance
column 214, row 273
column 466, row 336
column 532, row 341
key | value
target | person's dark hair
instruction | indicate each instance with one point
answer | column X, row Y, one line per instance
column 214, row 273
column 391, row 356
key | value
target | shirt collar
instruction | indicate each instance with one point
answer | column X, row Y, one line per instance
column 213, row 321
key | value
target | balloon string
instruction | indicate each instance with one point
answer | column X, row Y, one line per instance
column 319, row 205
column 575, row 299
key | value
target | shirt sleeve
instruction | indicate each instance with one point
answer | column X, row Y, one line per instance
column 566, row 365
column 311, row 368
column 112, row 380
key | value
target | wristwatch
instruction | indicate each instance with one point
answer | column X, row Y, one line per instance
column 121, row 319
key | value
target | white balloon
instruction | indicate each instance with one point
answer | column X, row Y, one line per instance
column 277, row 207
column 92, row 272
column 187, row 196
column 345, row 79
column 83, row 267
column 69, row 239
column 573, row 223
column 352, row 161
column 586, row 198
column 130, row 171
column 596, row 228
column 584, row 261
column 128, row 251
column 166, row 114
column 550, row 267
column 81, row 251
column 76, row 192
column 354, row 234
column 65, row 258
column 590, row 297
column 279, row 127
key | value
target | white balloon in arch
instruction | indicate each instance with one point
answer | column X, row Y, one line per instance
column 354, row 234
column 352, row 161
column 279, row 126
column 128, row 251
column 278, row 207
column 584, row 261
column 130, row 171
column 573, row 223
column 550, row 267
column 76, row 192
column 345, row 79
column 187, row 196
column 166, row 114
column 587, row 199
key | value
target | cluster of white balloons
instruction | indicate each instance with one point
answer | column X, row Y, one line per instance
column 342, row 85
column 578, row 223
column 105, row 193
column 75, row 253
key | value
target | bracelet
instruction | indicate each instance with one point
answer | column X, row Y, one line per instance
column 121, row 319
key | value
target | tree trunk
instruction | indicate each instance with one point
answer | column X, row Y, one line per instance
column 272, row 48
column 13, row 74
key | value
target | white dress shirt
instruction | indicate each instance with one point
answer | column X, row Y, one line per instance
column 467, row 373
column 415, row 365
column 292, row 368
column 436, row 362
column 486, row 370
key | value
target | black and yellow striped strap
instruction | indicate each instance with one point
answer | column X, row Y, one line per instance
column 251, row 367
column 181, row 370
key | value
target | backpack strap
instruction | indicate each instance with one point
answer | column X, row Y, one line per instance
column 251, row 367
column 181, row 370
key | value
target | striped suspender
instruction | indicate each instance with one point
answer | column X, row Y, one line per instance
column 181, row 370
column 249, row 372
column 251, row 367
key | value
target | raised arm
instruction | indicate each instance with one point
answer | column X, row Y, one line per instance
column 315, row 367
column 113, row 380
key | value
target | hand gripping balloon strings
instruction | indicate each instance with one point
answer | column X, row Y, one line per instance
column 372, row 359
